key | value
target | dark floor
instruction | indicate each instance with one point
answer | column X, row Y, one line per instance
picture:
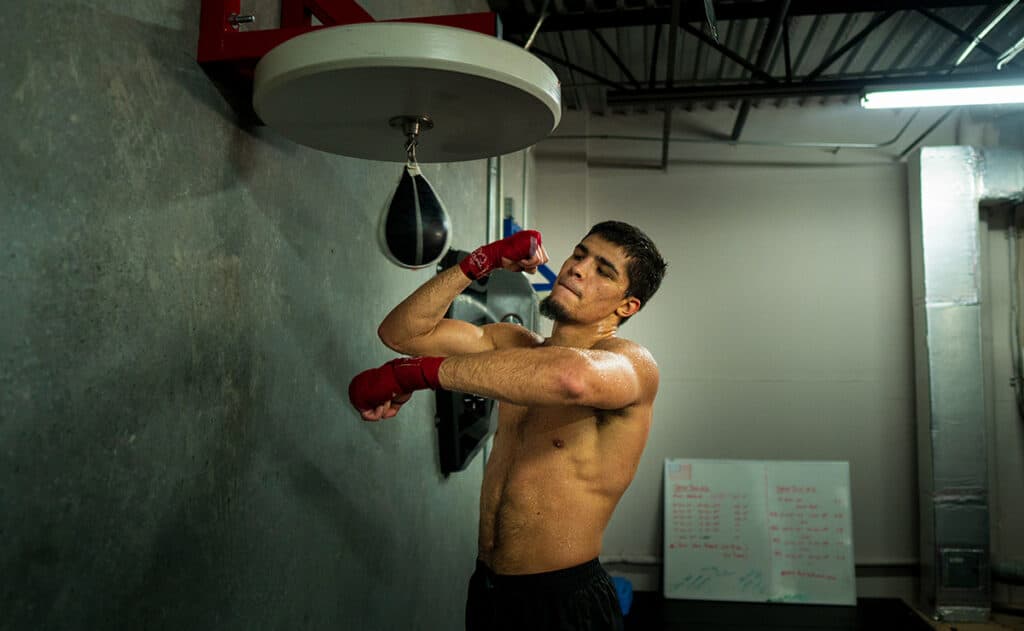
column 651, row 612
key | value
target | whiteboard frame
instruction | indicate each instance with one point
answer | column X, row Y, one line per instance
column 847, row 599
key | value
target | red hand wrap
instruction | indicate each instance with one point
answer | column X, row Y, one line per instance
column 376, row 386
column 483, row 260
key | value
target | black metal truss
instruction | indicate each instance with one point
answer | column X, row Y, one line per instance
column 611, row 53
column 673, row 29
column 771, row 37
column 646, row 90
column 853, row 41
column 917, row 47
column 517, row 21
column 818, row 88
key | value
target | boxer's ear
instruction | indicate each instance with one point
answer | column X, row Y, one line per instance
column 628, row 306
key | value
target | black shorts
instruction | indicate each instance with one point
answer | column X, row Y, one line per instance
column 580, row 598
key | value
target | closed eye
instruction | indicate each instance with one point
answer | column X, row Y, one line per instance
column 607, row 268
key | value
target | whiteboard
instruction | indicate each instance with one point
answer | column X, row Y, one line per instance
column 764, row 531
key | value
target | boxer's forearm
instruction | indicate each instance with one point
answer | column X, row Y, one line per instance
column 417, row 326
column 544, row 376
column 420, row 313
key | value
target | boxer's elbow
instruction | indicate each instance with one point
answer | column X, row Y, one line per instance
column 572, row 388
column 390, row 337
column 573, row 379
column 592, row 383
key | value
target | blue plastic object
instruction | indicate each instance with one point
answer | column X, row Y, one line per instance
column 624, row 589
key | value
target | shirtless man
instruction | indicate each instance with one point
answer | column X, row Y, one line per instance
column 574, row 414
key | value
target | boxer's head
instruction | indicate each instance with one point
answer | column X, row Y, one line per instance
column 616, row 268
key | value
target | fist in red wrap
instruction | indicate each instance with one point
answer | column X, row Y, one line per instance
column 521, row 252
column 380, row 392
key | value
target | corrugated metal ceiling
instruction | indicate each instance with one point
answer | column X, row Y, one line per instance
column 612, row 55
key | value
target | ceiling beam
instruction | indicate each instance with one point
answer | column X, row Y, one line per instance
column 853, row 41
column 771, row 36
column 615, row 57
column 516, row 21
column 670, row 73
column 727, row 52
column 735, row 91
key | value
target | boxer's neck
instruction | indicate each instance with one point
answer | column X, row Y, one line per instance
column 583, row 335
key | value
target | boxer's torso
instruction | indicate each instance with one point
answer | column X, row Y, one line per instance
column 552, row 481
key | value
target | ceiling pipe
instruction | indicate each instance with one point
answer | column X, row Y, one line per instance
column 985, row 31
column 926, row 133
column 959, row 32
column 1010, row 53
column 536, row 29
column 833, row 146
column 976, row 41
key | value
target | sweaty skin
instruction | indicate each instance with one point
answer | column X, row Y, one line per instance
column 553, row 479
column 574, row 409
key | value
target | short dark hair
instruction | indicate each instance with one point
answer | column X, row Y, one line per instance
column 644, row 266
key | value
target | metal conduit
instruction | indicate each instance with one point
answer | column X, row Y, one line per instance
column 836, row 146
column 1015, row 350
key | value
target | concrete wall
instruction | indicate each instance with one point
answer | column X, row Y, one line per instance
column 183, row 304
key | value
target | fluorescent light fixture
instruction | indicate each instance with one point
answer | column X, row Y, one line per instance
column 948, row 97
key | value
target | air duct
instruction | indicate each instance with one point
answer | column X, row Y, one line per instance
column 947, row 187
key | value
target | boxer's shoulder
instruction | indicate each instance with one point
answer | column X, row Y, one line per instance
column 638, row 355
column 625, row 347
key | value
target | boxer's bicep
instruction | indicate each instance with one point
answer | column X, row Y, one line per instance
column 457, row 337
column 448, row 337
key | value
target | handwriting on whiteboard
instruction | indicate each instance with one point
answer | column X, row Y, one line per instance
column 709, row 521
column 758, row 530
column 806, row 527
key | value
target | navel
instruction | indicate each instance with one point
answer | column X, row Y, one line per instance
column 558, row 443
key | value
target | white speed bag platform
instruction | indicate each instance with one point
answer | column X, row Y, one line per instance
column 337, row 88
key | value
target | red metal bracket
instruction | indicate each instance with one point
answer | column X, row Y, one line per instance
column 229, row 56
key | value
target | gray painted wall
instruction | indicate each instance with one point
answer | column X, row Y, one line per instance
column 783, row 329
column 183, row 304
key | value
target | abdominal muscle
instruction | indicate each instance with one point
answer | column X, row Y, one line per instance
column 548, row 492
